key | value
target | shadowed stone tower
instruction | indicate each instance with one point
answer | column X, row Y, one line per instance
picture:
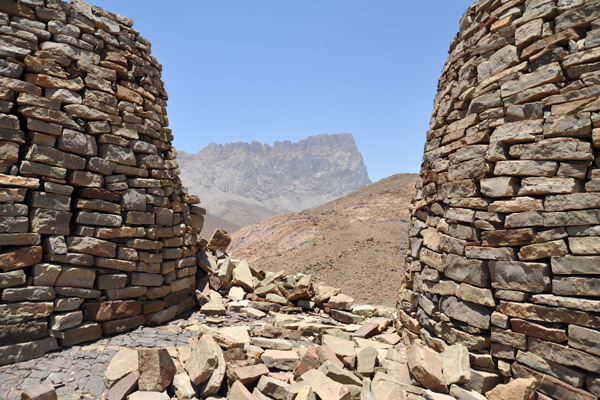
column 505, row 234
column 97, row 235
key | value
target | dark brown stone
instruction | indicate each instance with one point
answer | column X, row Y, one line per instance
column 156, row 369
column 109, row 310
column 20, row 258
column 121, row 325
column 25, row 332
column 42, row 391
column 97, row 193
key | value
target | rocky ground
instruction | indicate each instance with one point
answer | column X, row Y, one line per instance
column 258, row 337
column 356, row 242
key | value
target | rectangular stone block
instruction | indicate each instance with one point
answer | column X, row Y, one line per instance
column 466, row 270
column 50, row 201
column 76, row 277
column 121, row 325
column 112, row 281
column 564, row 355
column 514, row 275
column 576, row 286
column 23, row 332
column 49, row 222
column 539, row 331
column 110, row 310
column 144, row 279
column 12, row 278
column 576, row 265
column 509, row 237
column 92, row 246
column 584, row 245
column 53, row 157
column 549, row 314
column 15, row 313
column 471, row 314
column 20, row 258
column 27, row 350
column 85, row 332
column 95, row 218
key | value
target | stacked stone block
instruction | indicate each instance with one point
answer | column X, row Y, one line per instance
column 505, row 233
column 97, row 235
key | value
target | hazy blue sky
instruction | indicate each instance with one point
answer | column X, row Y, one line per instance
column 274, row 70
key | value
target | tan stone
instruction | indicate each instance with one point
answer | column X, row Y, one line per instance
column 426, row 365
column 518, row 389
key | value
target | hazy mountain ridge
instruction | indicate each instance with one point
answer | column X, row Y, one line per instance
column 246, row 182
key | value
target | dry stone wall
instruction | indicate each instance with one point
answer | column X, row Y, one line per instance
column 505, row 234
column 97, row 235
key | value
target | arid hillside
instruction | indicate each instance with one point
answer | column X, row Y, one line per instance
column 356, row 242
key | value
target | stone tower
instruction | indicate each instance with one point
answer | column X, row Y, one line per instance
column 97, row 235
column 505, row 233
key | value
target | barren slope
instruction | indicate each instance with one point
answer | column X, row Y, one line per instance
column 356, row 242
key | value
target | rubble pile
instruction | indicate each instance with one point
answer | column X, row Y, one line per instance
column 271, row 336
column 97, row 235
column 504, row 239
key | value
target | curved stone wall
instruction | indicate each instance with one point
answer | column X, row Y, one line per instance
column 97, row 235
column 505, row 233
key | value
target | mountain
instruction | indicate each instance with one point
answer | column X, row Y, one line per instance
column 247, row 182
column 356, row 242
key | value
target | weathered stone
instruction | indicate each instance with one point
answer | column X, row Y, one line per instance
column 242, row 276
column 42, row 391
column 219, row 241
column 325, row 387
column 156, row 369
column 472, row 314
column 124, row 362
column 426, row 366
column 343, row 349
column 249, row 374
column 20, row 258
column 513, row 275
column 366, row 359
column 202, row 361
column 280, row 359
column 518, row 389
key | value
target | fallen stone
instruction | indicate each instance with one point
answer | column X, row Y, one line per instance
column 124, row 362
column 272, row 387
column 124, row 387
column 426, row 365
column 156, row 370
column 250, row 373
column 219, row 241
column 42, row 391
column 325, row 387
column 182, row 387
column 143, row 395
column 343, row 349
column 283, row 360
column 456, row 366
column 366, row 359
column 339, row 374
column 202, row 361
column 518, row 389
column 239, row 392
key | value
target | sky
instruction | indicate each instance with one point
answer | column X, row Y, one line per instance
column 274, row 70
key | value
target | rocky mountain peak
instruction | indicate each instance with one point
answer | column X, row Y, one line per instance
column 246, row 182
